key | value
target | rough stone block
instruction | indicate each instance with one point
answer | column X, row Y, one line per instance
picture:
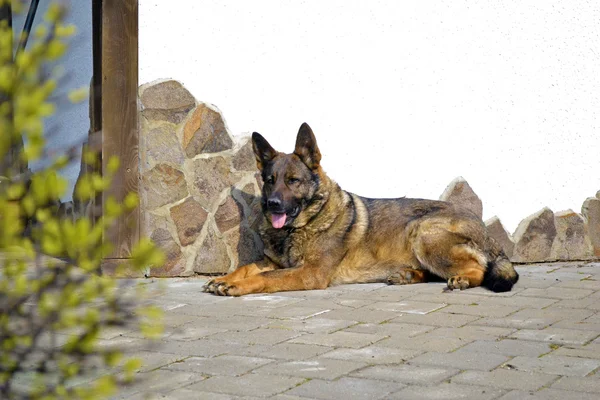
column 163, row 185
column 160, row 145
column 189, row 218
column 244, row 159
column 157, row 229
column 166, row 100
column 572, row 241
column 245, row 245
column 496, row 230
column 211, row 177
column 591, row 212
column 228, row 215
column 205, row 132
column 212, row 256
column 534, row 237
column 459, row 192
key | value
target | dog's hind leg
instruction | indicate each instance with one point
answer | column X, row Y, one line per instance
column 406, row 276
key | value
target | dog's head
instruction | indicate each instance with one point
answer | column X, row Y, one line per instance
column 291, row 181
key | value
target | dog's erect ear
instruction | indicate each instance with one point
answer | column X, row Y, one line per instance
column 306, row 147
column 262, row 150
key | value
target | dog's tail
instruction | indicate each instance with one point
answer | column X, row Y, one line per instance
column 500, row 275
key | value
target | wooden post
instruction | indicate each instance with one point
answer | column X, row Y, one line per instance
column 119, row 113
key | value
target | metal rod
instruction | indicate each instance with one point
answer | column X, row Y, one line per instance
column 28, row 25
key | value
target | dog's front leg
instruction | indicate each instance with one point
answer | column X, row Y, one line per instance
column 301, row 278
column 240, row 273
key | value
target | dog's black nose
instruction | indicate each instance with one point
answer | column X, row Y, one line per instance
column 274, row 204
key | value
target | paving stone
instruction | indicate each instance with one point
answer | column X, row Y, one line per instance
column 269, row 301
column 284, row 351
column 257, row 336
column 556, row 293
column 362, row 315
column 425, row 342
column 222, row 365
column 298, row 312
column 461, row 360
column 339, row 339
column 477, row 310
column 535, row 319
column 187, row 394
column 556, row 365
column 408, row 307
column 198, row 348
column 507, row 347
column 471, row 332
column 505, row 379
column 248, row 385
column 433, row 319
column 591, row 350
column 556, row 335
column 577, row 384
column 316, row 368
column 413, row 374
column 555, row 394
column 193, row 332
column 583, row 325
column 446, row 391
column 391, row 329
column 373, row 355
column 345, row 388
column 312, row 325
column 160, row 382
column 588, row 282
column 152, row 360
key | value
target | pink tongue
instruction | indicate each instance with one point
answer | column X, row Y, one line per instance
column 278, row 220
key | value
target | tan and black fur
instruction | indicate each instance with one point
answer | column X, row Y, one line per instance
column 332, row 236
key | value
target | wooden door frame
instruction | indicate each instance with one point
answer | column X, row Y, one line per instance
column 116, row 80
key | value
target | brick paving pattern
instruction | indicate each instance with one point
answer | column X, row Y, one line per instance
column 373, row 341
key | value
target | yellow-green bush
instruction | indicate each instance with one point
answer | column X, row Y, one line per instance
column 55, row 303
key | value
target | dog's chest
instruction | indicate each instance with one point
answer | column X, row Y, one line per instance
column 286, row 248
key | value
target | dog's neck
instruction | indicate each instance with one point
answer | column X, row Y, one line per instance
column 327, row 191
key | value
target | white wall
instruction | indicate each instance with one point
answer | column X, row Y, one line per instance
column 403, row 96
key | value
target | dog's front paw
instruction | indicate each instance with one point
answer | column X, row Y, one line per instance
column 209, row 287
column 458, row 282
column 220, row 288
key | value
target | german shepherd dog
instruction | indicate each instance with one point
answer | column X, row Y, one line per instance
column 315, row 234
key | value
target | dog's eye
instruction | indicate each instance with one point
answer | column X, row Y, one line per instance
column 292, row 181
column 271, row 180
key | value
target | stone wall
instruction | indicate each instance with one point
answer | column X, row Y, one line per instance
column 200, row 186
column 200, row 194
column 542, row 236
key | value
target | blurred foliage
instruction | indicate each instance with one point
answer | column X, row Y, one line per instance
column 55, row 304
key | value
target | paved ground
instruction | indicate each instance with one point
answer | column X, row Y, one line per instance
column 540, row 341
